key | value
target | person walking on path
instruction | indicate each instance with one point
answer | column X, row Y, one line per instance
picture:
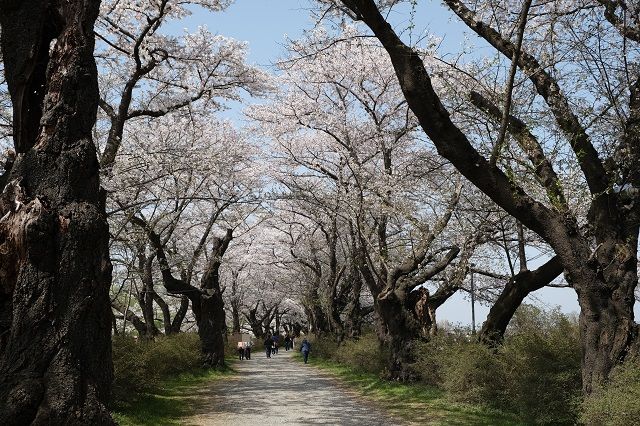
column 268, row 345
column 241, row 351
column 287, row 342
column 305, row 348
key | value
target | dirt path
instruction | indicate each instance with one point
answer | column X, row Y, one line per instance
column 281, row 390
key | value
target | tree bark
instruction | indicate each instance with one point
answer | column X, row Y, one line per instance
column 55, row 354
column 401, row 331
column 212, row 324
column 254, row 322
column 146, row 296
column 181, row 313
column 235, row 316
column 353, row 310
column 514, row 292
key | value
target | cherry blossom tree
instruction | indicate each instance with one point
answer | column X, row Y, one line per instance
column 179, row 191
column 149, row 72
column 353, row 162
column 578, row 120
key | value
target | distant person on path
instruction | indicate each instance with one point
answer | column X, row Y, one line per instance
column 305, row 348
column 247, row 351
column 268, row 346
column 241, row 351
column 287, row 342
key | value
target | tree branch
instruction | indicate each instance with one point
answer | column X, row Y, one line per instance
column 548, row 88
column 529, row 143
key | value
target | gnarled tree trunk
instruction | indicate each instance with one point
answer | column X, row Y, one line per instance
column 55, row 354
column 212, row 325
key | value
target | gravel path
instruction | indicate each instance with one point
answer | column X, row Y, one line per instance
column 278, row 391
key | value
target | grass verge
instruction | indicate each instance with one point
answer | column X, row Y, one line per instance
column 414, row 403
column 170, row 402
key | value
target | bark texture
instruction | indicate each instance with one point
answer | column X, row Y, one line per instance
column 511, row 297
column 55, row 349
column 212, row 325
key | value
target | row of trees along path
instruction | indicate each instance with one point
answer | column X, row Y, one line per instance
column 55, row 317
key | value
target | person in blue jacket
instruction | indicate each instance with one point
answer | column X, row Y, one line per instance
column 305, row 348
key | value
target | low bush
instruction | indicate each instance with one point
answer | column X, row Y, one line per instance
column 542, row 357
column 364, row 354
column 472, row 373
column 321, row 346
column 535, row 374
column 617, row 403
column 140, row 365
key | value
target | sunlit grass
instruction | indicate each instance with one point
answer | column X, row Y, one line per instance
column 414, row 403
column 169, row 403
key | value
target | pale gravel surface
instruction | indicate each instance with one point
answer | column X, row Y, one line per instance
column 280, row 391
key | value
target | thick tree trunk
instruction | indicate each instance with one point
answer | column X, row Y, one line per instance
column 211, row 329
column 353, row 310
column 255, row 323
column 319, row 324
column 401, row 332
column 145, row 297
column 423, row 312
column 55, row 356
column 605, row 287
column 277, row 317
column 514, row 292
column 212, row 325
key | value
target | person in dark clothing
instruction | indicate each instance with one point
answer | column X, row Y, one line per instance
column 287, row 343
column 268, row 346
column 305, row 348
column 241, row 353
column 247, row 351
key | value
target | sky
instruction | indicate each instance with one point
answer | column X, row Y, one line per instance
column 265, row 26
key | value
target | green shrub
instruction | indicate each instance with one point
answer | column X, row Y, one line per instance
column 535, row 374
column 430, row 357
column 321, row 346
column 140, row 365
column 617, row 403
column 541, row 356
column 471, row 372
column 364, row 354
